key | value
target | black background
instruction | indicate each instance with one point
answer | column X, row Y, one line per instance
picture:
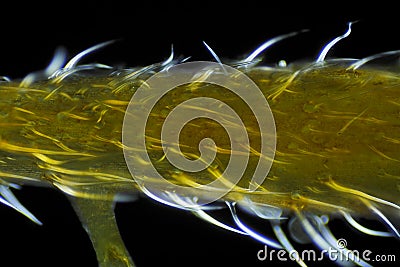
column 154, row 234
